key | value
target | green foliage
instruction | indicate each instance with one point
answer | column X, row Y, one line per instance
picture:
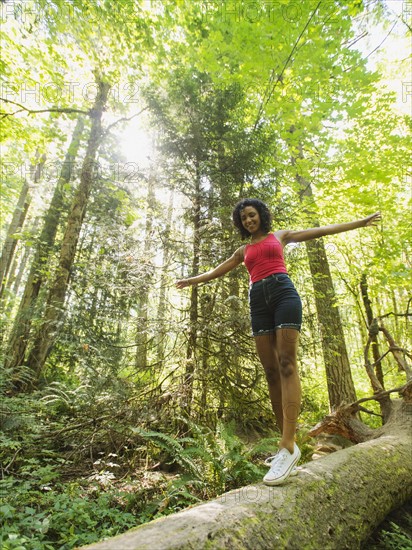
column 173, row 448
column 40, row 510
column 395, row 533
column 42, row 514
column 396, row 539
column 216, row 461
column 222, row 108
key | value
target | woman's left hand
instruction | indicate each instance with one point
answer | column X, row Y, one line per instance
column 373, row 219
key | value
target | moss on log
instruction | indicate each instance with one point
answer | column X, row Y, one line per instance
column 334, row 502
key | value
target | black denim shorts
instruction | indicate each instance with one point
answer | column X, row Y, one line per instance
column 274, row 303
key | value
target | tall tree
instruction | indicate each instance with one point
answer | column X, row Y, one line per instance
column 56, row 296
column 145, row 282
column 341, row 388
column 163, row 306
column 17, row 222
column 19, row 336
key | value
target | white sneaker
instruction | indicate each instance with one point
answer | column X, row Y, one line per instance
column 281, row 466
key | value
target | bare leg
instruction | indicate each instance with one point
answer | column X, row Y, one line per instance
column 278, row 355
column 266, row 348
column 286, row 346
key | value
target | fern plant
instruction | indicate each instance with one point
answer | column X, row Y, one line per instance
column 211, row 462
column 172, row 447
column 18, row 376
column 67, row 400
column 396, row 538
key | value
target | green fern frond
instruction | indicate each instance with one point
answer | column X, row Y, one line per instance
column 268, row 445
column 9, row 377
column 58, row 392
column 172, row 447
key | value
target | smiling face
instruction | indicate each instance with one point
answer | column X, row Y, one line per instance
column 250, row 219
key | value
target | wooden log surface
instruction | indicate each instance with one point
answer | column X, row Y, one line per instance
column 334, row 503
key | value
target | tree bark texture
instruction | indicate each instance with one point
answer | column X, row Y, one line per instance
column 333, row 503
column 55, row 303
column 17, row 222
column 145, row 284
column 19, row 336
column 341, row 388
column 194, row 298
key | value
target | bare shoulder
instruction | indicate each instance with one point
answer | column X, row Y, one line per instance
column 239, row 254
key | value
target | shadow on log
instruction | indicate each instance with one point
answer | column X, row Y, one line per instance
column 334, row 502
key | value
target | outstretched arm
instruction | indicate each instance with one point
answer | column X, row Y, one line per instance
column 222, row 269
column 286, row 236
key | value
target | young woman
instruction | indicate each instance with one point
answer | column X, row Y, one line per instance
column 276, row 315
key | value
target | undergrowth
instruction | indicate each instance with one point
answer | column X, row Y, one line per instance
column 75, row 468
column 78, row 465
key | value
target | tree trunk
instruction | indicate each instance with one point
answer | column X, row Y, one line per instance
column 194, row 298
column 341, row 388
column 145, row 284
column 55, row 303
column 10, row 242
column 163, row 307
column 17, row 270
column 370, row 317
column 19, row 337
column 334, row 502
column 375, row 372
column 204, row 375
column 16, row 224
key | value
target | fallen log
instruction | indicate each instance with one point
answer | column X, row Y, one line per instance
column 334, row 502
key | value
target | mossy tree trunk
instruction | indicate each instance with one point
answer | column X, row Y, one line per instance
column 46, row 335
column 341, row 388
column 19, row 336
column 17, row 222
column 334, row 502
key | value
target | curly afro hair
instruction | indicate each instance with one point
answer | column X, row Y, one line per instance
column 264, row 214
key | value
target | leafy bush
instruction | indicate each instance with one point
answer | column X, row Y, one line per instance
column 56, row 495
column 212, row 462
column 39, row 517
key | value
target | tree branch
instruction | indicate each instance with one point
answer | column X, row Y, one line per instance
column 378, row 396
column 123, row 119
column 35, row 111
column 407, row 314
column 375, row 49
column 270, row 87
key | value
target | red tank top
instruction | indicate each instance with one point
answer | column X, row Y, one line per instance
column 264, row 258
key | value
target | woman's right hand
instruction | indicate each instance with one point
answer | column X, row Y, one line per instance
column 183, row 283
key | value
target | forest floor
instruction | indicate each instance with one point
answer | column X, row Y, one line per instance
column 394, row 533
